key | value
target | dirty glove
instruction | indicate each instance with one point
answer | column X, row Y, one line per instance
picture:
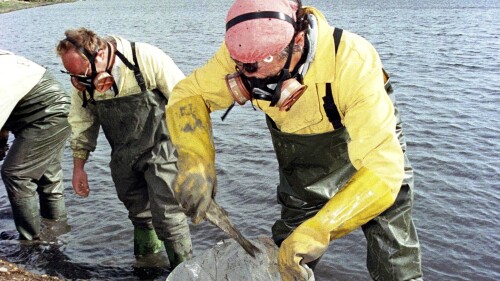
column 189, row 125
column 4, row 137
column 364, row 197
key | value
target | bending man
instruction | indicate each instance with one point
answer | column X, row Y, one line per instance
column 122, row 87
column 34, row 107
column 337, row 138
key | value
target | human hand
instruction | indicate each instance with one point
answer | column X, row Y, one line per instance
column 80, row 183
column 306, row 244
column 3, row 151
column 194, row 187
column 4, row 137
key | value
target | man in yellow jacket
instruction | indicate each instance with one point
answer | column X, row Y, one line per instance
column 335, row 131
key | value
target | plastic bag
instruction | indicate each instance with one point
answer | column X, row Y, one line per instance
column 227, row 260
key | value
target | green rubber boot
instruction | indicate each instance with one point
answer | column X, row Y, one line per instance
column 146, row 242
column 179, row 251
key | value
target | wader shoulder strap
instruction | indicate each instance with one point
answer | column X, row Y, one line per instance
column 137, row 71
column 328, row 103
column 337, row 34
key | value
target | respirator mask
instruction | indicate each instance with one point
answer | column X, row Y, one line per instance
column 281, row 90
column 100, row 81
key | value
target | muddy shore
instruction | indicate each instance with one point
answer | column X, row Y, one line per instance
column 10, row 271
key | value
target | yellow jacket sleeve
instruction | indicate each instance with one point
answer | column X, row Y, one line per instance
column 189, row 125
column 367, row 111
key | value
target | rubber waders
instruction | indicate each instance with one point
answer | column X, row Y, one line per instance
column 179, row 251
column 54, row 209
column 146, row 242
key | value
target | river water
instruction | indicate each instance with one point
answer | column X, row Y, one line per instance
column 444, row 60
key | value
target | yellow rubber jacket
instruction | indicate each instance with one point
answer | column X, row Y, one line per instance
column 365, row 109
column 358, row 90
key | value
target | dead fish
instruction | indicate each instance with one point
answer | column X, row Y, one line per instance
column 220, row 218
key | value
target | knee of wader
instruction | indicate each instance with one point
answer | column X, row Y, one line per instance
column 179, row 250
column 146, row 242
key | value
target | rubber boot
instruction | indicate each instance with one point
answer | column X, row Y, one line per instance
column 26, row 217
column 179, row 251
column 146, row 242
column 53, row 209
column 54, row 218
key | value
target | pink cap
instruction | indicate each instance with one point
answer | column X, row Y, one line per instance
column 254, row 38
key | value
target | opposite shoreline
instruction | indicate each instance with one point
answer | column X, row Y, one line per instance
column 7, row 6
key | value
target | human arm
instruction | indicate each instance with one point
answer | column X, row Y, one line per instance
column 80, row 180
column 190, row 128
column 85, row 129
column 353, row 206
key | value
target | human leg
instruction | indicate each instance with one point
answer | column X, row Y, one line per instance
column 169, row 221
column 18, row 173
column 132, row 192
column 50, row 185
column 392, row 241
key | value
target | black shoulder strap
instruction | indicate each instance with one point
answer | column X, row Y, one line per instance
column 337, row 34
column 137, row 71
column 328, row 103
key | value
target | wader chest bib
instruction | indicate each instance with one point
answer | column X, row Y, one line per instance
column 133, row 125
column 312, row 169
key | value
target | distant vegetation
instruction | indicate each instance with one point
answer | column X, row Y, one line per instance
column 13, row 5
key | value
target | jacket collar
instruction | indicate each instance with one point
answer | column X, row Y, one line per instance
column 323, row 64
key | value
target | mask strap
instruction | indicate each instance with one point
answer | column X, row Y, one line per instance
column 260, row 15
column 231, row 107
column 90, row 99
column 285, row 74
column 109, row 65
column 86, row 53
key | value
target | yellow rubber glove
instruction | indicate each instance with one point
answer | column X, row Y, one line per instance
column 189, row 125
column 364, row 197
